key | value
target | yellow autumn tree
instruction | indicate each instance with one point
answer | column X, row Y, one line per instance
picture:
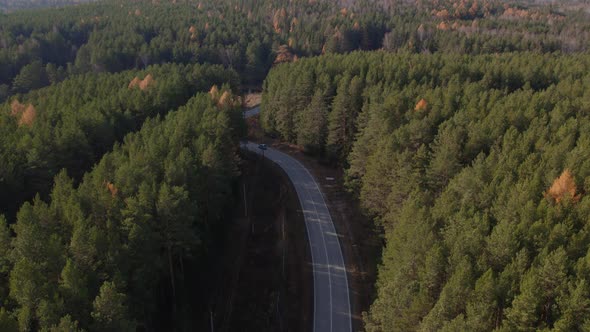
column 225, row 99
column 563, row 187
column 214, row 92
column 147, row 82
column 134, row 82
column 28, row 116
column 421, row 105
column 16, row 108
column 111, row 188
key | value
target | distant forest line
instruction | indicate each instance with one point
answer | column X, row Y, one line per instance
column 42, row 47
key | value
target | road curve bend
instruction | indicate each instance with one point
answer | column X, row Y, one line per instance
column 252, row 112
column 330, row 283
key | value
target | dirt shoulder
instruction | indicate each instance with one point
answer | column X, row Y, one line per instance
column 252, row 99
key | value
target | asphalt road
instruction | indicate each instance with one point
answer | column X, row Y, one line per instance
column 331, row 298
column 252, row 112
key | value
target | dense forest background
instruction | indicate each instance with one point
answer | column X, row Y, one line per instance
column 8, row 6
column 464, row 137
column 44, row 46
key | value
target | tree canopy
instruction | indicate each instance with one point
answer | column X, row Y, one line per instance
column 461, row 125
column 72, row 124
column 475, row 167
column 109, row 254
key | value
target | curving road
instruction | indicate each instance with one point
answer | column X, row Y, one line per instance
column 331, row 298
column 252, row 112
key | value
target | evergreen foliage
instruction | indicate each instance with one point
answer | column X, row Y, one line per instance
column 465, row 138
column 476, row 167
column 78, row 120
column 113, row 253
